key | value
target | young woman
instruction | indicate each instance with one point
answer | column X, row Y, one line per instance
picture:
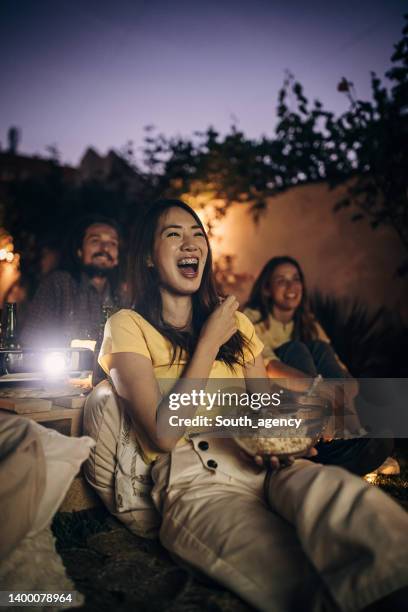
column 312, row 538
column 296, row 346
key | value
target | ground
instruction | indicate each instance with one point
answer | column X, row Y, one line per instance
column 119, row 571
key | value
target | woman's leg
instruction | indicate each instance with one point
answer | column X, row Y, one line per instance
column 102, row 421
column 312, row 358
column 359, row 455
column 324, row 359
column 297, row 355
column 228, row 533
column 103, row 425
column 355, row 536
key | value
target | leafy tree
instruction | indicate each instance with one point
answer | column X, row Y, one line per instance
column 380, row 132
column 367, row 144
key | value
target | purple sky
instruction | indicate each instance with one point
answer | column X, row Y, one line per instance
column 91, row 72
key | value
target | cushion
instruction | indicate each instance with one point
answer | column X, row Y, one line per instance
column 31, row 563
column 22, row 479
column 63, row 459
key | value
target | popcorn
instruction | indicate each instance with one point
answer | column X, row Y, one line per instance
column 275, row 446
column 313, row 412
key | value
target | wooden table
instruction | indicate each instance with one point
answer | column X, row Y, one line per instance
column 65, row 414
column 67, row 421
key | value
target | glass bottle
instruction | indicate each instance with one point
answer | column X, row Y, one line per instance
column 9, row 335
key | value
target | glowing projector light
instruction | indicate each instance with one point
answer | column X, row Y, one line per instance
column 54, row 364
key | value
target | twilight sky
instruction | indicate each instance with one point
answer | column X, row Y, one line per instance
column 92, row 72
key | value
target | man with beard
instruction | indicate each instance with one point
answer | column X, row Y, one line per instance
column 69, row 303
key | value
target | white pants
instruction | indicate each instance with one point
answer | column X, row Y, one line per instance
column 324, row 535
column 323, row 540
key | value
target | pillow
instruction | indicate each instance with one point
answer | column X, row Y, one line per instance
column 22, row 479
column 33, row 563
column 63, row 459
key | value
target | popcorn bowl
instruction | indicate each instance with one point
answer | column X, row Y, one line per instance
column 313, row 411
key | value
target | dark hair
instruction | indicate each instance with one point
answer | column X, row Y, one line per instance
column 71, row 262
column 304, row 321
column 145, row 293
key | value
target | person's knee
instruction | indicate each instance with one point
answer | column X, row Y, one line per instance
column 297, row 355
column 295, row 347
column 319, row 347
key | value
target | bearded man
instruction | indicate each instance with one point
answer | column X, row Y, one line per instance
column 69, row 303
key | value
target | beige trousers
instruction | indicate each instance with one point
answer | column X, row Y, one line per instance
column 314, row 538
column 104, row 422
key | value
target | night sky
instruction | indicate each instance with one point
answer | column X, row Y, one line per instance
column 89, row 72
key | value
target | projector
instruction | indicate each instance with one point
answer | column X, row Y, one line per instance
column 29, row 363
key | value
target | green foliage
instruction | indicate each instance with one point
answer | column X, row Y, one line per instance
column 376, row 136
column 233, row 167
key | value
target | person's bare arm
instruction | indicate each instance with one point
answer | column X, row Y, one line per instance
column 292, row 379
column 134, row 380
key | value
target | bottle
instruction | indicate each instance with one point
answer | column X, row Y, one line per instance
column 98, row 374
column 9, row 335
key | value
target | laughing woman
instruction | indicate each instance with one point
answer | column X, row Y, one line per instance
column 313, row 538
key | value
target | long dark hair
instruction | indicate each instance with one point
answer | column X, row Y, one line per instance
column 71, row 262
column 304, row 321
column 145, row 293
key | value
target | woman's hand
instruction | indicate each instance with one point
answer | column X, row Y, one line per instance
column 274, row 462
column 221, row 324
